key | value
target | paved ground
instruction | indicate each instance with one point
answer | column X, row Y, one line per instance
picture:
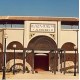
column 41, row 76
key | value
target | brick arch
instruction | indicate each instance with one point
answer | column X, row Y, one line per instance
column 68, row 46
column 19, row 46
column 42, row 43
column 1, row 46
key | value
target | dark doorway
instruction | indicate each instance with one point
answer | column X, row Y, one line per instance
column 41, row 62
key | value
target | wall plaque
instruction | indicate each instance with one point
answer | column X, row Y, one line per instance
column 39, row 27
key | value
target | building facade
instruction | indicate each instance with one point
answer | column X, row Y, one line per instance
column 41, row 34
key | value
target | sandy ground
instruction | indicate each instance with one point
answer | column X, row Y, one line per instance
column 40, row 76
column 8, row 75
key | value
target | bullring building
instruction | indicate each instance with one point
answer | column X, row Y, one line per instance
column 39, row 43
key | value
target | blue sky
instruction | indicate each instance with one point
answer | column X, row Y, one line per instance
column 61, row 8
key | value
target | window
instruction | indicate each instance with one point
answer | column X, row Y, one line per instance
column 11, row 25
column 69, row 26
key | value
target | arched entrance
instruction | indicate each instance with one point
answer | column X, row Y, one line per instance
column 42, row 43
column 69, row 60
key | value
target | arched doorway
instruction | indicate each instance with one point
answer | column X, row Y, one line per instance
column 42, row 43
column 69, row 56
column 18, row 54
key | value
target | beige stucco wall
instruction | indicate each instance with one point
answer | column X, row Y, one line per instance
column 24, row 35
column 59, row 33
column 63, row 35
column 14, row 35
column 1, row 33
column 68, row 36
column 27, row 32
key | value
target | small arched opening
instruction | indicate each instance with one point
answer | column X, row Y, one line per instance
column 68, row 46
column 69, row 56
column 19, row 46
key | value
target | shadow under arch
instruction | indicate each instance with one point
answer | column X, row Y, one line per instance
column 68, row 46
column 19, row 46
column 42, row 43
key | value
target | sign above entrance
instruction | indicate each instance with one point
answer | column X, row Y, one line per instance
column 39, row 27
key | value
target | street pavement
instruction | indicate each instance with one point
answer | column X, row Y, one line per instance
column 42, row 75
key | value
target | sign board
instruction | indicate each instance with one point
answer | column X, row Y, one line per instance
column 39, row 27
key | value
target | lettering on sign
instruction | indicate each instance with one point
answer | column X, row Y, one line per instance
column 37, row 27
